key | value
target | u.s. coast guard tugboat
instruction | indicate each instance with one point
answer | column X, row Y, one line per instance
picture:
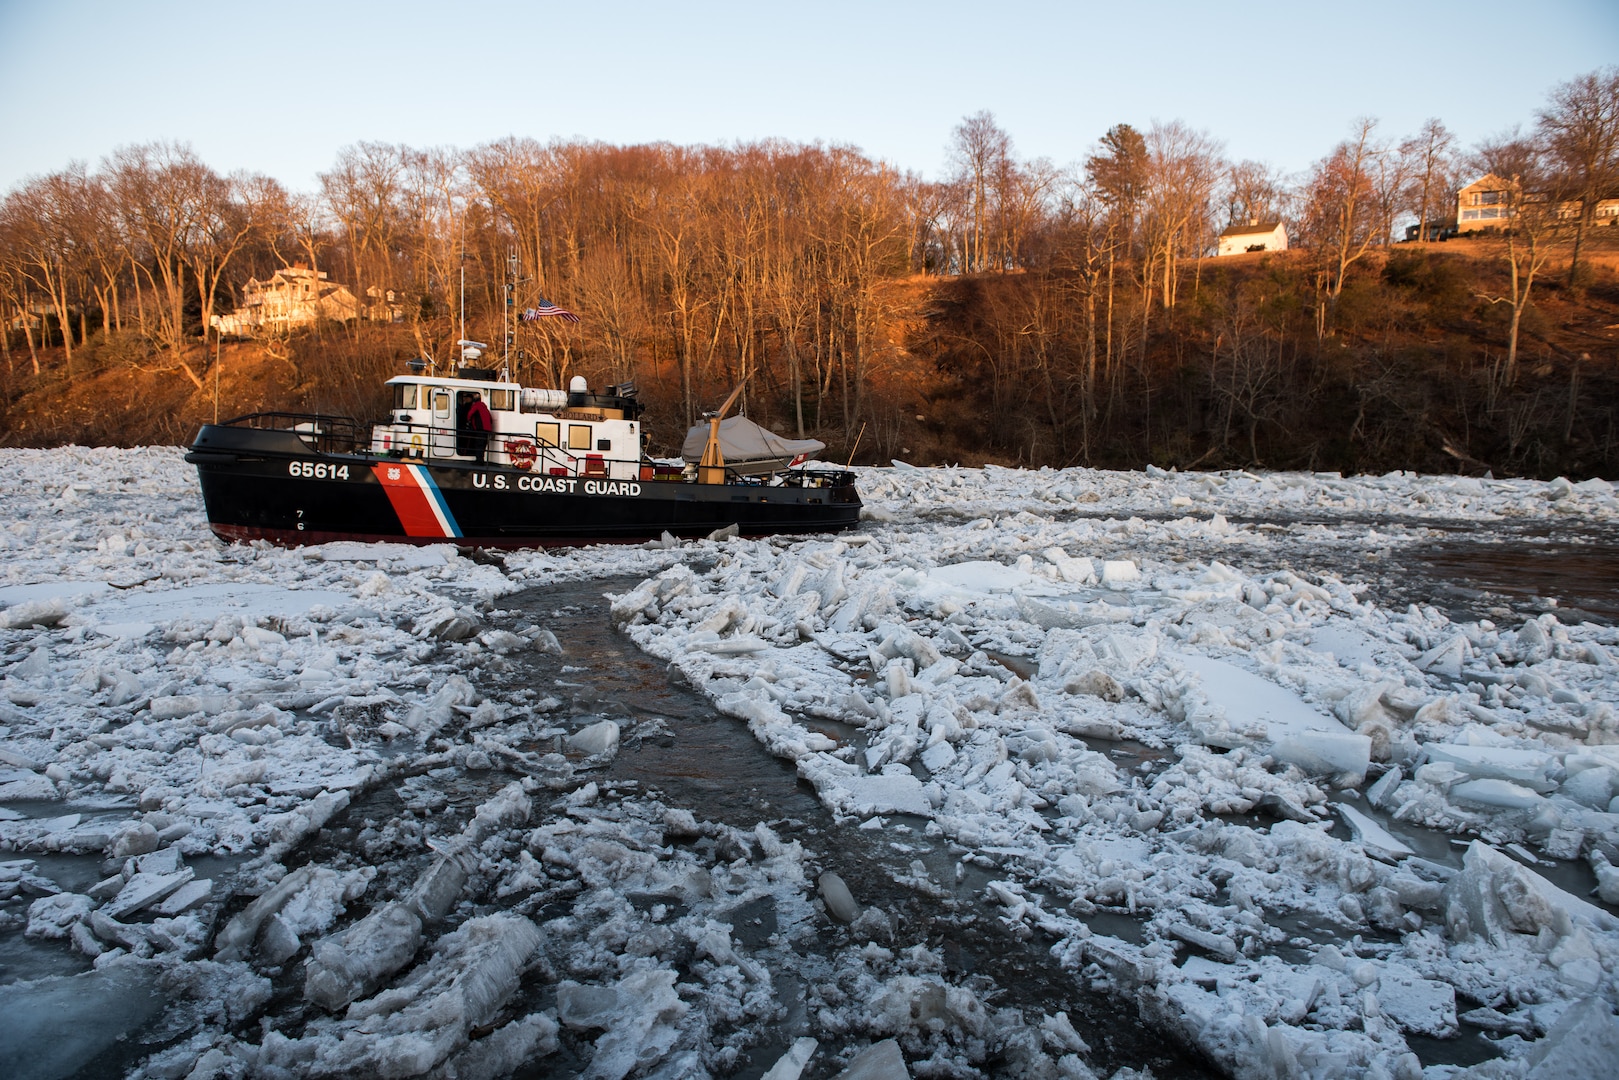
column 557, row 467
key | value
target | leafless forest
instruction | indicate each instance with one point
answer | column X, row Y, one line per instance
column 1016, row 311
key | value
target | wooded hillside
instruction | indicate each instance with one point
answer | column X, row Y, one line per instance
column 1013, row 312
column 1000, row 367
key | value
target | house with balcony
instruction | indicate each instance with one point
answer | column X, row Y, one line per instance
column 1486, row 204
column 1483, row 204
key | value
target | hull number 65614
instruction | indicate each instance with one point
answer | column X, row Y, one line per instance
column 317, row 470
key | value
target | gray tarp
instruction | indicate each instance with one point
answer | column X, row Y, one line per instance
column 743, row 443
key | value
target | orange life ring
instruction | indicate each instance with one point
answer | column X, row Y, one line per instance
column 521, row 452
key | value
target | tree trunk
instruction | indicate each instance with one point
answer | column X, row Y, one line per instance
column 1587, row 209
column 28, row 335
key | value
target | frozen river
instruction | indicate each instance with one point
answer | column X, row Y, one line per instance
column 1043, row 773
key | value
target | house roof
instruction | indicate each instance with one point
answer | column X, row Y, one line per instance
column 1264, row 227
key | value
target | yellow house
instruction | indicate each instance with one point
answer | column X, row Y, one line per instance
column 294, row 296
column 1484, row 204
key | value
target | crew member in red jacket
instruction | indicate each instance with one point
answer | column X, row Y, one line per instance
column 479, row 425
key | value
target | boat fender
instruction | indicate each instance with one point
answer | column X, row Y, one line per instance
column 521, row 451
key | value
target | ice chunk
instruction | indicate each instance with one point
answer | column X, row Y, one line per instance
column 1582, row 1045
column 1607, row 876
column 1420, row 1006
column 1370, row 834
column 1061, row 613
column 596, row 739
column 791, row 1064
column 413, row 1026
column 1525, row 767
column 1075, row 571
column 586, row 1007
column 643, row 1027
column 29, row 613
column 1493, row 895
column 56, row 1026
column 983, row 578
column 53, row 916
column 1242, row 709
column 29, row 789
column 939, row 756
column 186, row 897
column 439, row 887
column 504, row 1050
column 238, row 935
column 352, row 964
column 145, row 889
column 1591, row 787
column 1446, row 658
column 1058, row 1033
column 839, row 901
column 1533, row 643
column 1498, row 793
column 1379, row 793
column 879, row 1061
column 1119, row 571
column 844, row 791
column 1218, row 944
column 1322, row 750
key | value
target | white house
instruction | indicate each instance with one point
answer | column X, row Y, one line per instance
column 1254, row 236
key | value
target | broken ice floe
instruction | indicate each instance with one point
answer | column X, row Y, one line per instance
column 1049, row 696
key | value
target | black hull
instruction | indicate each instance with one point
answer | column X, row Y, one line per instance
column 269, row 485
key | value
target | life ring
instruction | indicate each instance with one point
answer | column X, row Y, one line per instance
column 416, row 446
column 521, row 451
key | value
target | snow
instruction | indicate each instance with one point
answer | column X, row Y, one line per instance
column 1332, row 823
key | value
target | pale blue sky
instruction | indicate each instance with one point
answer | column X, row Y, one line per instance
column 1276, row 81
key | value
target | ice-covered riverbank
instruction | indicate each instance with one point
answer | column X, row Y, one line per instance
column 1219, row 787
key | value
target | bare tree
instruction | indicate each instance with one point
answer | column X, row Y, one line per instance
column 1580, row 129
column 1183, row 168
column 159, row 190
column 1428, row 155
column 980, row 152
column 38, row 237
column 1532, row 197
column 1254, row 192
column 365, row 192
column 230, row 213
column 1391, row 183
column 1342, row 201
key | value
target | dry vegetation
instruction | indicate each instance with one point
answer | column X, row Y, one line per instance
column 1013, row 312
column 990, row 367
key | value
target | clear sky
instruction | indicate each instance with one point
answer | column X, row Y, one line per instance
column 279, row 87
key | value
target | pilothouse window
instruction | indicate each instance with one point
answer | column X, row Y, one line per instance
column 578, row 436
column 404, row 395
column 503, row 400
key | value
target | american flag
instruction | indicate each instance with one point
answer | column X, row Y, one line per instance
column 547, row 310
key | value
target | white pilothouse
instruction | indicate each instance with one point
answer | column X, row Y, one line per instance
column 553, row 432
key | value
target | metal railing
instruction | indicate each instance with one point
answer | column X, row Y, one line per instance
column 428, row 442
column 324, row 434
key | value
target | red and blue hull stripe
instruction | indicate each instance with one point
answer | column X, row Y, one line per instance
column 417, row 500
